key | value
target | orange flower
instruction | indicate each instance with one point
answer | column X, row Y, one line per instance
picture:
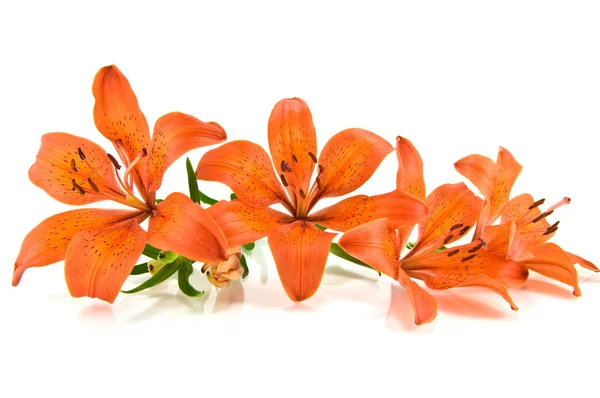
column 346, row 162
column 100, row 246
column 222, row 273
column 523, row 232
column 453, row 211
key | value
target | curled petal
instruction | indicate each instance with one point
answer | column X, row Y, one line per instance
column 174, row 135
column 409, row 178
column 184, row 227
column 401, row 208
column 552, row 261
column 300, row 251
column 488, row 283
column 349, row 159
column 481, row 171
column 245, row 168
column 423, row 304
column 98, row 261
column 508, row 171
column 575, row 259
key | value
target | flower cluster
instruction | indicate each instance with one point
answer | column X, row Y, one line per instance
column 100, row 247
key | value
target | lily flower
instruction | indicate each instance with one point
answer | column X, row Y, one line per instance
column 523, row 232
column 454, row 209
column 221, row 274
column 346, row 162
column 100, row 246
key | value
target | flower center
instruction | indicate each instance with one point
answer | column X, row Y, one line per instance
column 302, row 197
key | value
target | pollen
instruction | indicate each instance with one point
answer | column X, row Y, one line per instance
column 313, row 157
column 456, row 226
column 536, row 204
column 74, row 165
column 114, row 161
column 94, row 186
column 472, row 256
column 81, row 154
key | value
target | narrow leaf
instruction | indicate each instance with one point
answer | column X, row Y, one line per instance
column 249, row 246
column 244, row 266
column 322, row 228
column 410, row 245
column 192, row 182
column 338, row 251
column 151, row 251
column 161, row 276
column 183, row 278
column 159, row 200
column 233, row 196
column 140, row 269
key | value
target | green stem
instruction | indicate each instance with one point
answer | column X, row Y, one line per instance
column 335, row 249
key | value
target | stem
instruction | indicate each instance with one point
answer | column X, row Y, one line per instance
column 335, row 249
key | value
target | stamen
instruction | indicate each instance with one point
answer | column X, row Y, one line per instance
column 144, row 152
column 562, row 202
column 554, row 225
column 464, row 230
column 542, row 216
column 453, row 253
column 536, row 204
column 472, row 256
column 479, row 246
column 94, row 186
column 294, row 158
column 318, row 183
column 80, row 153
column 550, row 230
column 122, row 152
column 74, row 165
column 302, row 194
column 314, row 158
column 284, row 181
column 285, row 166
column 140, row 155
column 448, row 238
column 456, row 226
column 321, row 169
column 77, row 187
column 114, row 161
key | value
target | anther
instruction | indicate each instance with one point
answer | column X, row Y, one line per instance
column 542, row 216
column 536, row 204
column 144, row 152
column 302, row 194
column 80, row 153
column 448, row 239
column 77, row 187
column 550, row 230
column 313, row 157
column 284, row 181
column 285, row 166
column 468, row 258
column 479, row 246
column 94, row 186
column 554, row 225
column 456, row 226
column 74, row 165
column 114, row 161
column 453, row 253
column 294, row 158
column 464, row 230
column 318, row 183
column 321, row 169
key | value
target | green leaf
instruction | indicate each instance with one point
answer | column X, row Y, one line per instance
column 192, row 182
column 140, row 269
column 322, row 228
column 338, row 251
column 161, row 276
column 249, row 246
column 207, row 199
column 441, row 248
column 183, row 278
column 244, row 266
column 410, row 245
column 159, row 200
column 233, row 196
column 151, row 251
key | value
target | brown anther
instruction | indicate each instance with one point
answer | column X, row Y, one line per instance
column 456, row 226
column 294, row 158
column 318, row 183
column 479, row 246
column 550, row 230
column 94, row 186
column 313, row 157
column 321, row 169
column 77, row 187
column 448, row 238
column 554, row 225
column 302, row 194
column 144, row 152
column 542, row 216
column 80, row 153
column 536, row 204
column 453, row 253
column 472, row 256
column 74, row 165
column 285, row 166
column 284, row 181
column 464, row 230
column 114, row 161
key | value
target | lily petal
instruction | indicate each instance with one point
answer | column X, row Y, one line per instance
column 292, row 139
column 453, row 211
column 74, row 170
column 423, row 304
column 98, row 261
column 508, row 171
column 116, row 112
column 409, row 178
column 401, row 208
column 243, row 224
column 184, row 227
column 374, row 243
column 300, row 251
column 488, row 283
column 481, row 171
column 245, row 168
column 47, row 243
column 174, row 135
column 575, row 259
column 552, row 261
column 516, row 208
column 349, row 159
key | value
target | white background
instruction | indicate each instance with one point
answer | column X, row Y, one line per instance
column 455, row 77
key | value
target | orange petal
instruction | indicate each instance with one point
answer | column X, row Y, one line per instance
column 508, row 171
column 423, row 304
column 47, row 243
column 505, row 241
column 184, row 227
column 245, row 168
column 481, row 171
column 518, row 247
column 243, row 224
column 174, row 135
column 453, row 211
column 116, row 112
column 401, row 208
column 349, row 159
column 98, row 261
column 409, row 178
column 292, row 138
column 300, row 251
column 552, row 261
column 489, row 283
column 575, row 259
column 374, row 243
column 74, row 170
column 516, row 208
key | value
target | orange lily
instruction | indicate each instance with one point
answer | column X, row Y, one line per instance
column 523, row 232
column 100, row 246
column 454, row 209
column 346, row 162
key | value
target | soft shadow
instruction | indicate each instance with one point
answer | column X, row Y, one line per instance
column 593, row 278
column 258, row 257
column 457, row 304
column 400, row 316
column 97, row 312
column 230, row 299
column 337, row 275
column 548, row 288
column 299, row 307
column 169, row 303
